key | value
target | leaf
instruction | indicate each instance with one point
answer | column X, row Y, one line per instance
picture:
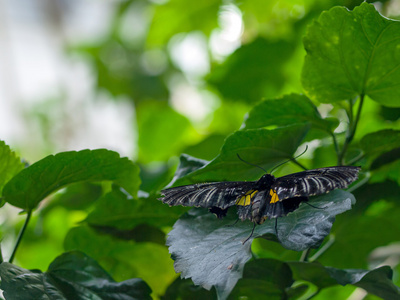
column 53, row 172
column 377, row 281
column 184, row 289
column 10, row 164
column 162, row 131
column 253, row 71
column 262, row 147
column 118, row 210
column 72, row 275
column 381, row 143
column 125, row 259
column 187, row 165
column 352, row 53
column 268, row 278
column 211, row 252
column 168, row 19
column 288, row 110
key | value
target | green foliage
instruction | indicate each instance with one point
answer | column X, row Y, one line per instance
column 72, row 275
column 119, row 239
column 354, row 53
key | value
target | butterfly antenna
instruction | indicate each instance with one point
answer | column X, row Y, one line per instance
column 293, row 158
column 251, row 234
column 250, row 163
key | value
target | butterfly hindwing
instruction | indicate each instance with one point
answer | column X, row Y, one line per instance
column 314, row 182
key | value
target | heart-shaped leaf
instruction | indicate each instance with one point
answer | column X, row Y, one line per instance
column 262, row 147
column 33, row 184
column 352, row 53
column 288, row 110
column 72, row 275
column 212, row 253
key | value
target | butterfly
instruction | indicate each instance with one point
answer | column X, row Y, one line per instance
column 268, row 197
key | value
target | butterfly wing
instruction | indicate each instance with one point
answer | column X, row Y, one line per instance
column 314, row 182
column 209, row 195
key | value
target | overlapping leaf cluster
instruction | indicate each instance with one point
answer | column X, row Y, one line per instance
column 351, row 63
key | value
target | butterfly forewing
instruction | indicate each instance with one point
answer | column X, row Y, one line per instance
column 314, row 182
column 216, row 194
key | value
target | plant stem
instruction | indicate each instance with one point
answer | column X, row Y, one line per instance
column 304, row 255
column 351, row 130
column 1, row 255
column 20, row 235
column 322, row 250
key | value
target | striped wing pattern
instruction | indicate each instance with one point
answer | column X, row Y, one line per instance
column 315, row 182
column 217, row 194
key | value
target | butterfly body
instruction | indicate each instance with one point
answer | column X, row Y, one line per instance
column 269, row 197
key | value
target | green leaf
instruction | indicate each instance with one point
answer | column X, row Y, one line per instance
column 211, row 252
column 262, row 147
column 184, row 289
column 268, row 278
column 124, row 259
column 162, row 131
column 53, row 172
column 10, row 164
column 377, row 281
column 187, row 165
column 253, row 71
column 352, row 53
column 72, row 275
column 288, row 110
column 169, row 20
column 118, row 210
column 380, row 143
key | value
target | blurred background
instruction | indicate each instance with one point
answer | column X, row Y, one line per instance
column 150, row 79
column 145, row 78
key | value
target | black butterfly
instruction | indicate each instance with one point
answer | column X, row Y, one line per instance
column 269, row 197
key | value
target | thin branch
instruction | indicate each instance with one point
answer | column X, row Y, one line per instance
column 20, row 235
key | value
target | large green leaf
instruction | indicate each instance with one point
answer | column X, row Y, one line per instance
column 72, row 275
column 10, row 164
column 53, row 172
column 288, row 110
column 377, row 282
column 352, row 53
column 262, row 147
column 212, row 253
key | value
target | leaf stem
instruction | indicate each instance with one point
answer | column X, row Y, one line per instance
column 321, row 251
column 352, row 129
column 1, row 255
column 305, row 254
column 20, row 235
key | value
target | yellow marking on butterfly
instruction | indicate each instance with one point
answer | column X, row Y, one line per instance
column 246, row 198
column 274, row 196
